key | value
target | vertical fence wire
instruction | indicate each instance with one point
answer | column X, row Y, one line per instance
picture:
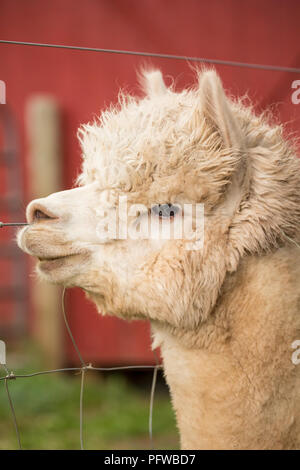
column 13, row 414
column 153, row 386
column 83, row 371
column 69, row 329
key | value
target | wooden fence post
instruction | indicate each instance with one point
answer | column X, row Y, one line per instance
column 43, row 124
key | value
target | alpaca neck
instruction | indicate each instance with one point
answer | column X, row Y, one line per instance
column 239, row 390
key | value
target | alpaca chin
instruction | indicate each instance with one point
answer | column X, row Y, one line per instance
column 62, row 270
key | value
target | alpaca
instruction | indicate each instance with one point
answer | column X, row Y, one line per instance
column 225, row 316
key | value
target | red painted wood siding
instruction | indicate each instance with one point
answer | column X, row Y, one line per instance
column 83, row 82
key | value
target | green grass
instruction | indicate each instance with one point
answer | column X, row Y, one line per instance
column 116, row 412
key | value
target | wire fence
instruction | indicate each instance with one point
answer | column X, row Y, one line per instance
column 231, row 63
column 83, row 369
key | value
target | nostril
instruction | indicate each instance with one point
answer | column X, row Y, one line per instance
column 38, row 214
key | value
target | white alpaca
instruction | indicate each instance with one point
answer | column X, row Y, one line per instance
column 225, row 316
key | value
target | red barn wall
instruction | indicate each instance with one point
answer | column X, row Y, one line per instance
column 84, row 82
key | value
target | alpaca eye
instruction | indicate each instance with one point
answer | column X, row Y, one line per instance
column 165, row 211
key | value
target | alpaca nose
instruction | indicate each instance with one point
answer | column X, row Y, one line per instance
column 37, row 212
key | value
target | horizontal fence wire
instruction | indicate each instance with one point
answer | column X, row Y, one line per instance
column 275, row 68
column 83, row 370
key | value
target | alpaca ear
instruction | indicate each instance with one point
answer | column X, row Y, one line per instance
column 152, row 82
column 213, row 105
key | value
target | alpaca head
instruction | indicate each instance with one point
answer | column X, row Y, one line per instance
column 147, row 163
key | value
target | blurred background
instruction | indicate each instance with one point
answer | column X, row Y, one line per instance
column 49, row 93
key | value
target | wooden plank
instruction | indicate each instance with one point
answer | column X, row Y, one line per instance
column 45, row 177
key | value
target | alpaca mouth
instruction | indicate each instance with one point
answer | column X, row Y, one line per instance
column 52, row 258
column 51, row 263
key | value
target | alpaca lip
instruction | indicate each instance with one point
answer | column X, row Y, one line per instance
column 55, row 258
column 69, row 261
column 48, row 264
